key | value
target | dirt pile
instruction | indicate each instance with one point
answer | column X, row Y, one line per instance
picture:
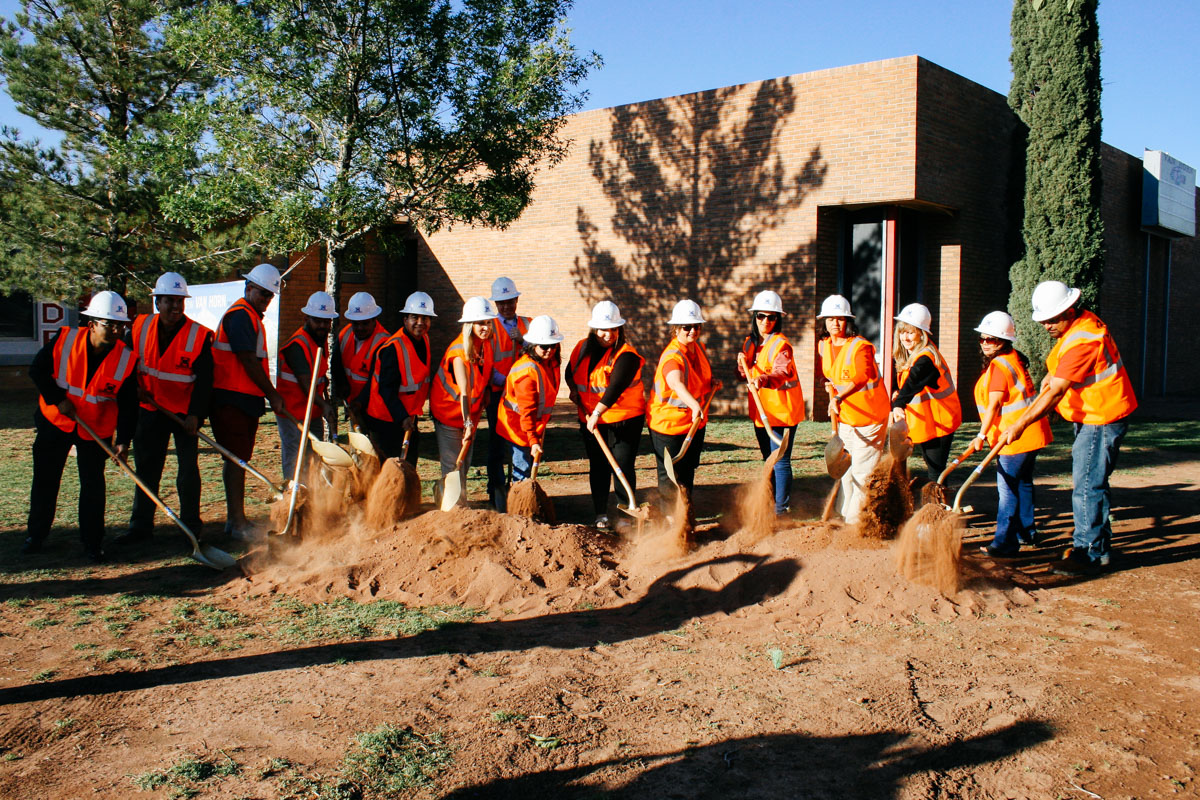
column 930, row 549
column 756, row 506
column 395, row 493
column 529, row 499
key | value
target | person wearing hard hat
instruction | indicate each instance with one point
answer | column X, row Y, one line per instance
column 242, row 387
column 1086, row 382
column 297, row 360
column 459, row 391
column 767, row 366
column 604, row 376
column 86, row 374
column 507, row 343
column 398, row 381
column 358, row 340
column 683, row 385
column 529, row 395
column 175, row 376
column 926, row 399
column 858, row 400
column 1002, row 394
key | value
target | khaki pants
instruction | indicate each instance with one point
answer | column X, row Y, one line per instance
column 865, row 445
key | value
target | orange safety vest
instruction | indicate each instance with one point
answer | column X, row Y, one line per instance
column 356, row 355
column 168, row 377
column 414, row 377
column 530, row 390
column 95, row 401
column 784, row 405
column 869, row 405
column 1107, row 394
column 591, row 386
column 294, row 395
column 1018, row 396
column 504, row 350
column 932, row 412
column 228, row 372
column 445, row 395
column 669, row 415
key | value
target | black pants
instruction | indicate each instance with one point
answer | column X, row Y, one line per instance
column 622, row 439
column 937, row 454
column 150, row 440
column 50, row 449
column 685, row 468
column 389, row 438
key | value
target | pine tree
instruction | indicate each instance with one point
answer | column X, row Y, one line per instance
column 84, row 214
column 1056, row 92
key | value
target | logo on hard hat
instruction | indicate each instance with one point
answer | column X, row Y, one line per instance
column 356, row 310
column 420, row 305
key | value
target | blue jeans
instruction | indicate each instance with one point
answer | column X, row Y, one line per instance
column 781, row 474
column 1014, row 517
column 1094, row 457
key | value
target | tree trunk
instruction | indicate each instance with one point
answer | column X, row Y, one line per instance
column 333, row 285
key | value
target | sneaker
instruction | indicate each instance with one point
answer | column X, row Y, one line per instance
column 1031, row 538
column 998, row 554
column 601, row 522
column 1076, row 563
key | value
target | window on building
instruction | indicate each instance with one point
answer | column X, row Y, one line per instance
column 16, row 316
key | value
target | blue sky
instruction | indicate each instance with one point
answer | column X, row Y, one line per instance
column 658, row 48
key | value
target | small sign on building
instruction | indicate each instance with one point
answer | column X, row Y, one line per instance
column 1168, row 195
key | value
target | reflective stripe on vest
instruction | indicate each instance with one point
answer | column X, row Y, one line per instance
column 228, row 372
column 545, row 404
column 1020, row 394
column 925, row 395
column 144, row 352
column 359, row 355
column 660, row 382
column 1107, row 394
column 70, row 374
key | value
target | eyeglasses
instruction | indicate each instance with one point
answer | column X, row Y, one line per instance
column 691, row 327
column 764, row 317
column 990, row 340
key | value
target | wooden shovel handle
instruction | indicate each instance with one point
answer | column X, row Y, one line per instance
column 995, row 451
column 953, row 466
column 757, row 400
column 612, row 462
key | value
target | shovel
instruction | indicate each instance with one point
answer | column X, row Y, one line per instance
column 206, row 554
column 360, row 441
column 277, row 489
column 452, row 491
column 304, row 436
column 781, row 443
column 837, row 460
column 331, row 453
column 668, row 459
column 640, row 513
column 936, row 492
column 958, row 508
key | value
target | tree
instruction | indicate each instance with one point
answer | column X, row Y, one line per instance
column 84, row 214
column 332, row 118
column 1056, row 92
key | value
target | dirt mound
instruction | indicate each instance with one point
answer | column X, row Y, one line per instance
column 497, row 562
column 930, row 549
column 887, row 500
column 529, row 499
column 396, row 492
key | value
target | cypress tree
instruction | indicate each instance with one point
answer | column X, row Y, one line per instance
column 1056, row 92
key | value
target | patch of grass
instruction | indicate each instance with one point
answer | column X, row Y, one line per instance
column 545, row 742
column 84, row 646
column 43, row 623
column 183, row 776
column 345, row 619
column 117, row 628
column 117, row 654
column 19, row 602
column 215, row 618
column 44, row 675
column 62, row 726
column 507, row 716
column 390, row 760
column 12, row 756
column 776, row 656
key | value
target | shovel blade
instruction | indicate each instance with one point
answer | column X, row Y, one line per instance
column 331, row 454
column 835, row 449
column 900, row 447
column 840, row 466
column 362, row 443
column 452, row 490
column 778, row 452
column 214, row 557
column 669, row 465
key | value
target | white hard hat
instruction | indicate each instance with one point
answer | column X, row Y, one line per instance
column 835, row 306
column 1052, row 298
column 916, row 315
column 420, row 303
column 544, row 331
column 265, row 276
column 686, row 312
column 170, row 284
column 107, row 305
column 320, row 305
column 767, row 301
column 605, row 314
column 362, row 306
column 478, row 309
column 504, row 289
column 999, row 325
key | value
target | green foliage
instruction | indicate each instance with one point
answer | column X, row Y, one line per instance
column 183, row 776
column 328, row 120
column 85, row 211
column 390, row 760
column 1056, row 92
column 345, row 619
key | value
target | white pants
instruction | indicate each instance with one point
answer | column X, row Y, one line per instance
column 865, row 445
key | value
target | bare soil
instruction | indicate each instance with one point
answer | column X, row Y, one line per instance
column 786, row 663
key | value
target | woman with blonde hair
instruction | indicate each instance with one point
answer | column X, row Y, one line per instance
column 459, row 389
column 926, row 399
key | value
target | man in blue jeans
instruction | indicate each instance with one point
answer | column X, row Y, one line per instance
column 1087, row 383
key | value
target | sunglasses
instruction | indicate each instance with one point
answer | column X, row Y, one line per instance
column 692, row 327
column 763, row 317
column 990, row 340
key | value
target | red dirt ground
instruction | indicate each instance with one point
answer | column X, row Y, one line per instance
column 797, row 665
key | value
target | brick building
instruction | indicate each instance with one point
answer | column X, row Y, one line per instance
column 891, row 182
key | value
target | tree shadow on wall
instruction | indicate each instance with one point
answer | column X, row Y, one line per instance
column 696, row 183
